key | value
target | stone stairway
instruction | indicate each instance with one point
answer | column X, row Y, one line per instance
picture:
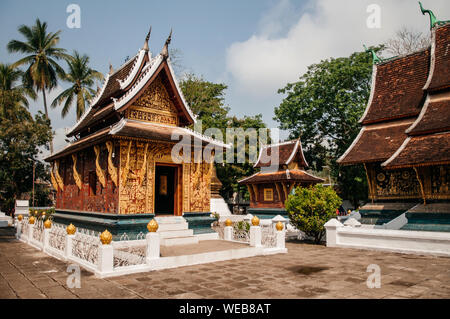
column 174, row 231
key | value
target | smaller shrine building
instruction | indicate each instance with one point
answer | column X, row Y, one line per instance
column 282, row 168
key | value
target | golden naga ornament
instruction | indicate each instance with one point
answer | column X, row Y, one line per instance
column 228, row 222
column 152, row 226
column 31, row 220
column 53, row 179
column 98, row 170
column 106, row 237
column 59, row 179
column 76, row 176
column 126, row 168
column 48, row 224
column 255, row 221
column 279, row 226
column 19, row 218
column 71, row 229
column 112, row 170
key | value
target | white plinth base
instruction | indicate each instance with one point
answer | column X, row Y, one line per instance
column 219, row 206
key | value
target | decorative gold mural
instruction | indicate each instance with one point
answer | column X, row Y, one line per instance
column 52, row 178
column 98, row 170
column 76, row 176
column 112, row 170
column 440, row 181
column 155, row 105
column 58, row 177
column 397, row 183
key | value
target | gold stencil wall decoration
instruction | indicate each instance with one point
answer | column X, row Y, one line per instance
column 155, row 105
column 52, row 178
column 112, row 170
column 143, row 170
column 99, row 171
column 76, row 176
column 126, row 167
column 59, row 180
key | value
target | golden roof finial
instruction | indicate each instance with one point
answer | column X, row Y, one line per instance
column 165, row 50
column 147, row 38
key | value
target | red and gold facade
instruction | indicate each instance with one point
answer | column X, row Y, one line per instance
column 125, row 137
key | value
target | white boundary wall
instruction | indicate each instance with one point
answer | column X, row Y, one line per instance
column 403, row 241
column 87, row 251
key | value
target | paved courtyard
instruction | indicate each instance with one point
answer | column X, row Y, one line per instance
column 307, row 271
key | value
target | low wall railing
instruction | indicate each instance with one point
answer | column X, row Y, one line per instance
column 98, row 253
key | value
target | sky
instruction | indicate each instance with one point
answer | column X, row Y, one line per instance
column 255, row 47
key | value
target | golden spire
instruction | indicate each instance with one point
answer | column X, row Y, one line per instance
column 165, row 50
column 147, row 38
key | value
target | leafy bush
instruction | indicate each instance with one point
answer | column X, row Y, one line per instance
column 310, row 208
column 242, row 225
column 39, row 213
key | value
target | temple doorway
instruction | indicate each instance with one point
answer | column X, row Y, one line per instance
column 167, row 189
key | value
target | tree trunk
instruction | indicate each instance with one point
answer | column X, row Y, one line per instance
column 46, row 115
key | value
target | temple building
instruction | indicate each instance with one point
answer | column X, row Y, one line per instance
column 404, row 142
column 282, row 169
column 119, row 170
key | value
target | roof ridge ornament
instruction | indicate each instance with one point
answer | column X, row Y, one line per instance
column 146, row 39
column 375, row 58
column 165, row 50
column 111, row 69
column 433, row 19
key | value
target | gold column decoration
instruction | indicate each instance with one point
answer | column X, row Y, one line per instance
column 250, row 191
column 58, row 177
column 255, row 190
column 369, row 184
column 112, row 170
column 421, row 185
column 278, row 187
column 143, row 169
column 98, row 170
column 285, row 190
column 53, row 179
column 76, row 176
column 126, row 169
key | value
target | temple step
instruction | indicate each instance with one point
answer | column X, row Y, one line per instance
column 176, row 233
column 175, row 241
column 174, row 230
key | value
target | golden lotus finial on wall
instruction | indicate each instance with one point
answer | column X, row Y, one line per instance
column 31, row 220
column 19, row 218
column 106, row 237
column 71, row 229
column 228, row 222
column 255, row 221
column 279, row 226
column 152, row 226
column 48, row 223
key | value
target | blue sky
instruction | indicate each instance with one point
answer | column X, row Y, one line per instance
column 253, row 46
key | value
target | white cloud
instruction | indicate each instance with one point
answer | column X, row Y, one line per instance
column 326, row 28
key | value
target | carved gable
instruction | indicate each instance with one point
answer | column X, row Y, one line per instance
column 155, row 105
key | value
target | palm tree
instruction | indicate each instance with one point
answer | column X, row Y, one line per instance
column 41, row 50
column 11, row 93
column 82, row 78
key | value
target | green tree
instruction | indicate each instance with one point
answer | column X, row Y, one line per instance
column 41, row 57
column 82, row 78
column 21, row 138
column 310, row 208
column 206, row 100
column 323, row 108
column 10, row 90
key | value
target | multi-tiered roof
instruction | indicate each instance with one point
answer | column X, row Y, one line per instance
column 290, row 165
column 407, row 119
column 105, row 115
